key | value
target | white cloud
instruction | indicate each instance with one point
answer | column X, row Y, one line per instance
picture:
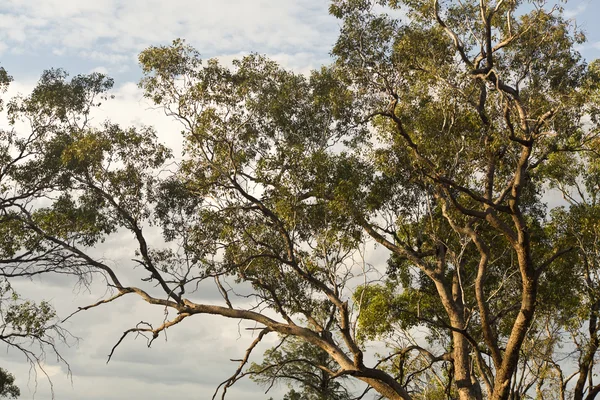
column 100, row 69
column 17, row 28
column 115, row 31
column 52, row 9
column 59, row 51
column 106, row 57
column 573, row 12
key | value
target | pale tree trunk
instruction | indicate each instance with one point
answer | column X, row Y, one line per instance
column 467, row 389
column 466, row 386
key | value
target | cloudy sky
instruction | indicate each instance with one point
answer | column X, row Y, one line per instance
column 106, row 36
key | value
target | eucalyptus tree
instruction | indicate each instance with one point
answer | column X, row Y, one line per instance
column 7, row 387
column 576, row 177
column 54, row 110
column 469, row 122
column 438, row 132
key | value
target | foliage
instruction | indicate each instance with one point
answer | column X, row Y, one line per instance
column 56, row 110
column 7, row 386
column 439, row 134
column 302, row 365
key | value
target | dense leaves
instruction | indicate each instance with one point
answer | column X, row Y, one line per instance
column 7, row 385
column 443, row 132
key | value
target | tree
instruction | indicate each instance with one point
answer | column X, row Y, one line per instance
column 577, row 180
column 298, row 362
column 56, row 108
column 437, row 134
column 504, row 94
column 7, row 386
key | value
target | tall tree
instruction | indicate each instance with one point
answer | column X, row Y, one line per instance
column 55, row 109
column 438, row 134
column 470, row 122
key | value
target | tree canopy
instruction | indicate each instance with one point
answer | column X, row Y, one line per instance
column 441, row 131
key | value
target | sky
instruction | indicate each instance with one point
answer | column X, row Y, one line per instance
column 106, row 36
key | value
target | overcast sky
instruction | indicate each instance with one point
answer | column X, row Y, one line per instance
column 106, row 35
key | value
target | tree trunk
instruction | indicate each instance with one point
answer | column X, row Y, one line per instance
column 462, row 371
column 461, row 348
column 519, row 331
column 587, row 359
